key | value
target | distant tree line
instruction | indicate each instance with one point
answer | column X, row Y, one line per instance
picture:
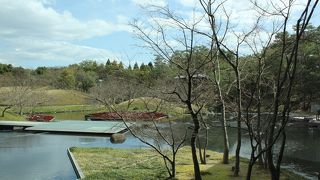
column 89, row 74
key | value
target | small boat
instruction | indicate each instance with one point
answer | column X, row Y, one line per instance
column 105, row 116
column 40, row 117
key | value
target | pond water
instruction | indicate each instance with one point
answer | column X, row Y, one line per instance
column 302, row 152
column 44, row 156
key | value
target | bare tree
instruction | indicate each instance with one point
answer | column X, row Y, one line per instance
column 285, row 77
column 230, row 53
column 19, row 96
column 274, row 130
column 253, row 94
column 164, row 141
column 189, row 82
column 217, row 81
column 113, row 90
column 5, row 108
column 36, row 98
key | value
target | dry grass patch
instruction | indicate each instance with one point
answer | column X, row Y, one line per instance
column 107, row 163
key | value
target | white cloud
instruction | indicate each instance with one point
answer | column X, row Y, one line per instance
column 33, row 31
column 149, row 2
column 189, row 3
column 53, row 51
column 31, row 18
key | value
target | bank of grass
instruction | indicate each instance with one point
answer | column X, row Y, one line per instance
column 64, row 97
column 145, row 104
column 107, row 163
column 12, row 117
column 63, row 109
column 66, row 104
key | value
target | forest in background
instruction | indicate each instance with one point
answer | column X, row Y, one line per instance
column 120, row 82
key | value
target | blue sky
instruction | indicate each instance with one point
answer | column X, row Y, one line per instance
column 62, row 32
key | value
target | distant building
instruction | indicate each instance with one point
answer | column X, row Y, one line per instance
column 196, row 76
column 315, row 107
column 197, row 79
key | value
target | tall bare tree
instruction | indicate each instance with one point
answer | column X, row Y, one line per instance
column 165, row 28
column 164, row 141
column 285, row 78
column 230, row 53
column 217, row 81
column 255, row 126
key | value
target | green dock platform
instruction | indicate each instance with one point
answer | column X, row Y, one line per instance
column 68, row 126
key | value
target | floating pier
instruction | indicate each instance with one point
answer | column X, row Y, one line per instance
column 68, row 126
column 314, row 124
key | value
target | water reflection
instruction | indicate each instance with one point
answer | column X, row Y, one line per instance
column 302, row 152
column 43, row 156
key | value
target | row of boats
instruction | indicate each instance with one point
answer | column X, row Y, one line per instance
column 105, row 116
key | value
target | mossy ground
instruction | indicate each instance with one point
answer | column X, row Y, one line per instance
column 106, row 163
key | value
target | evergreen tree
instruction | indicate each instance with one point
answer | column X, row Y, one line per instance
column 136, row 66
column 108, row 63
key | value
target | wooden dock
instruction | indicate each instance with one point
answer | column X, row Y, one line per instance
column 314, row 124
column 11, row 125
column 74, row 127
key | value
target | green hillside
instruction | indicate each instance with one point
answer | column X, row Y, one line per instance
column 150, row 104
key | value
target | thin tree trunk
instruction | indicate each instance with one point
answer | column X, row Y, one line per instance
column 173, row 166
column 203, row 153
column 200, row 151
column 223, row 115
column 205, row 147
column 269, row 151
column 250, row 166
column 283, row 143
column 4, row 110
column 237, row 163
column 225, row 135
column 194, row 135
column 20, row 110
column 258, row 129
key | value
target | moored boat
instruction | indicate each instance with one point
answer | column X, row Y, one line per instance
column 40, row 117
column 105, row 116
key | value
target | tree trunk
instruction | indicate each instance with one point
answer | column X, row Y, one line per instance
column 269, row 152
column 223, row 116
column 202, row 160
column 203, row 154
column 196, row 167
column 225, row 135
column 4, row 110
column 173, row 166
column 205, row 147
column 20, row 110
column 250, row 166
column 237, row 163
column 258, row 129
column 280, row 156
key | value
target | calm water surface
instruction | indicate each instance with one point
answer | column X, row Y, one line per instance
column 44, row 156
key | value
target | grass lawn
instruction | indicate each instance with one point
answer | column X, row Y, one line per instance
column 12, row 117
column 72, row 104
column 107, row 163
column 53, row 96
column 66, row 112
column 151, row 104
column 63, row 108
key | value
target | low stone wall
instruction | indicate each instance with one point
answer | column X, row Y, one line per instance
column 117, row 138
column 75, row 165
